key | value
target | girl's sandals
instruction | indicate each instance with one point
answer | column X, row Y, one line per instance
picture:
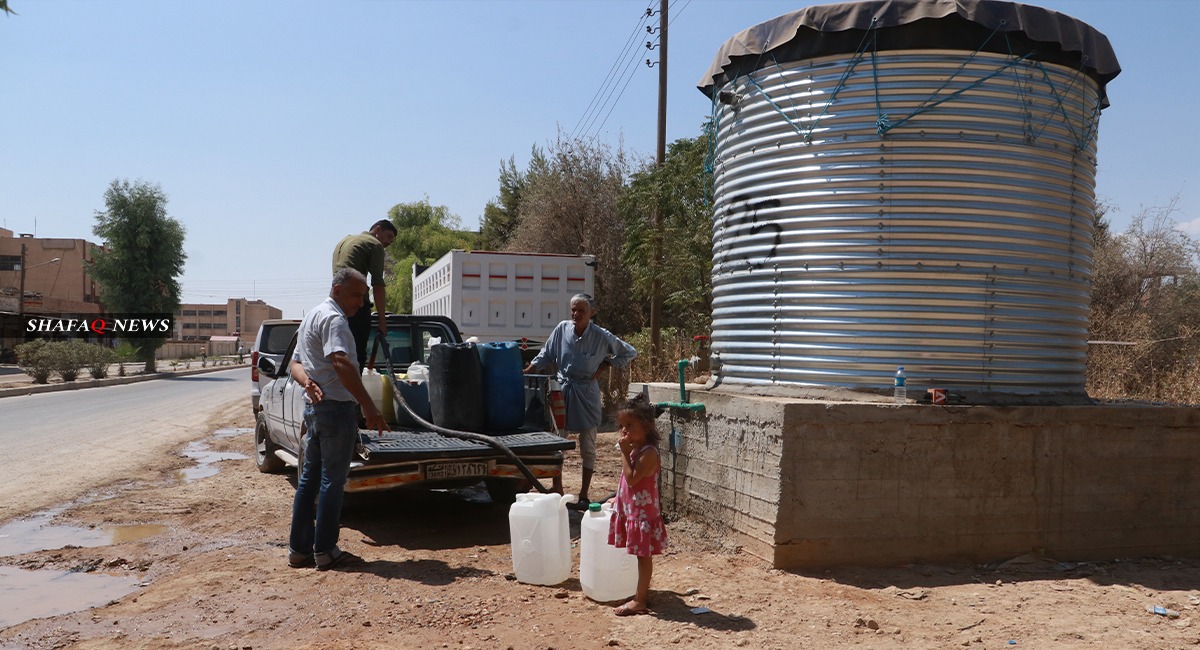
column 629, row 609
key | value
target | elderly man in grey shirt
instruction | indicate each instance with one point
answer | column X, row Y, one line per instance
column 579, row 349
column 326, row 365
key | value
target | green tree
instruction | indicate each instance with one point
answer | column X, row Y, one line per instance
column 678, row 190
column 425, row 232
column 502, row 214
column 570, row 206
column 138, row 265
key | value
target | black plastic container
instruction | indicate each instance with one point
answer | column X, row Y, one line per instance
column 456, row 392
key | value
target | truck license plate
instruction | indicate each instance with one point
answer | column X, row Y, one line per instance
column 437, row 471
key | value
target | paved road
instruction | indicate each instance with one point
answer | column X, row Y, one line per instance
column 11, row 374
column 57, row 446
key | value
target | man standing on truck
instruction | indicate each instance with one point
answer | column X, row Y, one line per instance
column 332, row 385
column 364, row 253
column 580, row 349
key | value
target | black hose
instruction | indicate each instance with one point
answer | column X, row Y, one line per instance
column 397, row 398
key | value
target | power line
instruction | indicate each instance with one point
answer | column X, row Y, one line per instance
column 626, row 71
column 275, row 288
column 675, row 14
column 628, row 54
column 614, row 105
column 217, row 284
column 609, row 78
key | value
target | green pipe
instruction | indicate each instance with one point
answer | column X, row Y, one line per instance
column 682, row 403
column 683, row 406
column 682, row 364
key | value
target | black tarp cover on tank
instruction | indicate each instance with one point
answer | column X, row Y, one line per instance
column 970, row 25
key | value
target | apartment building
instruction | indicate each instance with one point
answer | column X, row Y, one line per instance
column 235, row 317
column 53, row 274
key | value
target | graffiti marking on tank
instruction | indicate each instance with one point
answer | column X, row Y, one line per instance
column 748, row 223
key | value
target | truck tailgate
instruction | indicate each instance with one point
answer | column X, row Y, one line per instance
column 412, row 444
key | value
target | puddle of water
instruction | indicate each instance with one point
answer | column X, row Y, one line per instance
column 232, row 433
column 26, row 595
column 205, row 461
column 132, row 533
column 36, row 533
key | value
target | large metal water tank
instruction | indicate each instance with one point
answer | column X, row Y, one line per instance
column 906, row 182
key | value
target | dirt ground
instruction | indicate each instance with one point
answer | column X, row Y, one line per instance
column 438, row 574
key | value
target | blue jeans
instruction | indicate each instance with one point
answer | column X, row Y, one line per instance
column 317, row 510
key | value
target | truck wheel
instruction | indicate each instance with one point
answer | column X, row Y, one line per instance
column 505, row 490
column 264, row 449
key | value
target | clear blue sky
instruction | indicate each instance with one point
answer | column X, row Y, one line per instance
column 278, row 127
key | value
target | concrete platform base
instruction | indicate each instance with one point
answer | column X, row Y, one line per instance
column 807, row 484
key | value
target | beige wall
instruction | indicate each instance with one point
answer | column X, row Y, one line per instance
column 253, row 314
column 812, row 484
column 195, row 349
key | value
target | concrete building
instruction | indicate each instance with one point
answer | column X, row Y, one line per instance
column 235, row 317
column 42, row 276
column 51, row 272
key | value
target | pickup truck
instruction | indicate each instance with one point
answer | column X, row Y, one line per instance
column 271, row 341
column 404, row 456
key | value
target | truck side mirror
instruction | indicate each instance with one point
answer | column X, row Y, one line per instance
column 266, row 366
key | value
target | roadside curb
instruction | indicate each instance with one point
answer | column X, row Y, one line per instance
column 109, row 381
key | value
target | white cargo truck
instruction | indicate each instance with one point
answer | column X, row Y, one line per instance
column 502, row 296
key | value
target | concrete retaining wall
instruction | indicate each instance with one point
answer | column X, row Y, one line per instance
column 811, row 484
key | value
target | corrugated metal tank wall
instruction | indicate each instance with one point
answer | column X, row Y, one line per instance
column 957, row 244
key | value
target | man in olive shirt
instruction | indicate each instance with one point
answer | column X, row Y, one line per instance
column 364, row 253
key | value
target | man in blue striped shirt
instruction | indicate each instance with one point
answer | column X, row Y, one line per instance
column 579, row 350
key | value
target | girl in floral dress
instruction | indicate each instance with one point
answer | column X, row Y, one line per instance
column 637, row 520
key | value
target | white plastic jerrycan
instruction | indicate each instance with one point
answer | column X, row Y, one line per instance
column 541, row 538
column 606, row 573
column 374, row 386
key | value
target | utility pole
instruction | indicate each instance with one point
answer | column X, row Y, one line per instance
column 656, row 221
column 24, row 267
column 21, row 296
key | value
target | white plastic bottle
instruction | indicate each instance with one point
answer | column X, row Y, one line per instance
column 606, row 573
column 900, row 393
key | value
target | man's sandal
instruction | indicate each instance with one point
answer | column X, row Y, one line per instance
column 339, row 558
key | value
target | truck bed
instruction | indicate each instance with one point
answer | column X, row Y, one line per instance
column 417, row 444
